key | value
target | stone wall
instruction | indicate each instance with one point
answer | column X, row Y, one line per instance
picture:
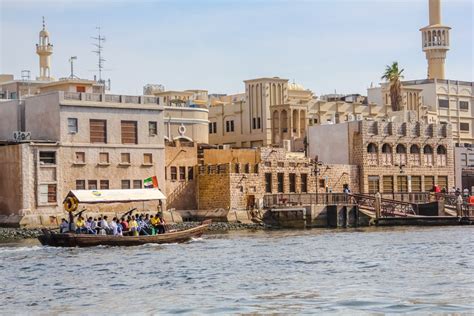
column 213, row 191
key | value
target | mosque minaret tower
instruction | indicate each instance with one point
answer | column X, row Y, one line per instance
column 44, row 49
column 435, row 39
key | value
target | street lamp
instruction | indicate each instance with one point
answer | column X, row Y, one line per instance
column 317, row 172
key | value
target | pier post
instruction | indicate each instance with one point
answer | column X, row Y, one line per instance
column 378, row 203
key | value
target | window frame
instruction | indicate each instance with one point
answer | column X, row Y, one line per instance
column 127, row 183
column 94, row 139
column 129, row 140
column 43, row 160
column 75, row 125
column 152, row 130
column 104, row 184
column 122, row 162
column 173, row 173
column 150, row 162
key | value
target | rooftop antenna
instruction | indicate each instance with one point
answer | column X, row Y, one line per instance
column 71, row 60
column 99, row 48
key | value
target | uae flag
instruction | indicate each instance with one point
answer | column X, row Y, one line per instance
column 150, row 183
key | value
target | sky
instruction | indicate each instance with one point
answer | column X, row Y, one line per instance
column 325, row 45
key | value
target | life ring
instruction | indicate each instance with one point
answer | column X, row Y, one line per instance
column 71, row 204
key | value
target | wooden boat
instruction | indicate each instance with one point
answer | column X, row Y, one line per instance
column 75, row 197
column 49, row 238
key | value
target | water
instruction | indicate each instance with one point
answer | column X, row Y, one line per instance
column 399, row 270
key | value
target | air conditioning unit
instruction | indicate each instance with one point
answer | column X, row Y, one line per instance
column 359, row 117
column 350, row 117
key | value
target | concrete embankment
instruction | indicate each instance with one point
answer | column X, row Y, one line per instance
column 7, row 234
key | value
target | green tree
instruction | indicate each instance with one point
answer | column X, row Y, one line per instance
column 393, row 75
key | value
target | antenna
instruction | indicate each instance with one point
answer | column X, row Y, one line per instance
column 100, row 65
column 71, row 60
column 99, row 48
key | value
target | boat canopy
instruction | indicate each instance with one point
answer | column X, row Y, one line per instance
column 112, row 196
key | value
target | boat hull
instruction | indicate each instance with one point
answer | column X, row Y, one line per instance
column 83, row 240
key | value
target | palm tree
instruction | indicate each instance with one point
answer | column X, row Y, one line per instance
column 393, row 75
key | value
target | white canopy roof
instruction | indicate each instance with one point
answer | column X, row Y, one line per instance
column 111, row 196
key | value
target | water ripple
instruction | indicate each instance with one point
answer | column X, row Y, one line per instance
column 393, row 270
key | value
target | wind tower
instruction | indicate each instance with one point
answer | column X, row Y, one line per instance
column 44, row 49
column 435, row 41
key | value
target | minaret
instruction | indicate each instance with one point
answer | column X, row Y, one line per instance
column 44, row 49
column 435, row 41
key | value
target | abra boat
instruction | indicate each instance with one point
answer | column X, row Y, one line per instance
column 71, row 203
column 49, row 238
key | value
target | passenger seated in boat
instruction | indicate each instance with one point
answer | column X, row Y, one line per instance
column 159, row 223
column 124, row 224
column 133, row 226
column 64, row 226
column 142, row 226
column 105, row 226
column 81, row 225
column 88, row 225
column 94, row 225
column 119, row 227
column 113, row 226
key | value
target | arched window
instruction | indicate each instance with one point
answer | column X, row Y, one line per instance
column 386, row 154
column 372, row 157
column 414, row 149
column 284, row 124
column 441, row 156
column 386, row 149
column 401, row 149
column 276, row 127
column 428, row 155
column 441, row 150
column 372, row 148
column 415, row 155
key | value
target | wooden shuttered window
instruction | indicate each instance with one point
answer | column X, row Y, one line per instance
column 98, row 131
column 429, row 183
column 51, row 193
column 443, row 181
column 129, row 132
column 373, row 182
column 387, row 184
column 402, row 184
column 415, row 183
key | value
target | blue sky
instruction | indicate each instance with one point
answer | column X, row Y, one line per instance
column 325, row 45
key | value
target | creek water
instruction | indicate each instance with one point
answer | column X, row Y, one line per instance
column 373, row 270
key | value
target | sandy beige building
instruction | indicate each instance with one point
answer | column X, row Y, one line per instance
column 75, row 141
column 186, row 113
column 271, row 112
column 181, row 160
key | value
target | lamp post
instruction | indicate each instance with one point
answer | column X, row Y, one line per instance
column 317, row 172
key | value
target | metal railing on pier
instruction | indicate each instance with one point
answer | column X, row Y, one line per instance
column 293, row 199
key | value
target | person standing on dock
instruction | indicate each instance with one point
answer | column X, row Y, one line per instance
column 459, row 202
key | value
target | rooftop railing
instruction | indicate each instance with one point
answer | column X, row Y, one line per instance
column 113, row 98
